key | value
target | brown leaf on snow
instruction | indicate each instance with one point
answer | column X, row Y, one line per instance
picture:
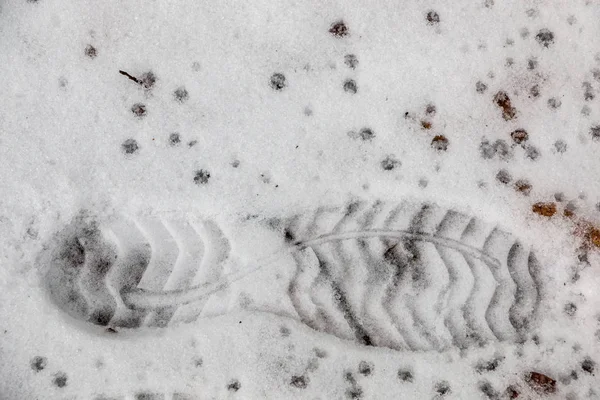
column 519, row 136
column 541, row 383
column 503, row 101
column 544, row 209
column 588, row 233
column 523, row 186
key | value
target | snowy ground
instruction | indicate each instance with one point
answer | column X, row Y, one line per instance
column 238, row 134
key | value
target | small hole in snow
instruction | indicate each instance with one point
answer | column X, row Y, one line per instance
column 174, row 139
column 38, row 363
column 278, row 81
column 545, row 37
column 351, row 61
column 389, row 163
column 130, row 146
column 432, row 17
column 181, row 95
column 60, row 379
column 234, row 385
column 339, row 29
column 91, row 51
column 139, row 110
column 201, row 177
column 350, row 86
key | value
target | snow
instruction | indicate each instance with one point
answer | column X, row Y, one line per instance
column 259, row 157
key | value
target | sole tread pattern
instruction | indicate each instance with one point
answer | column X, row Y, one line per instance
column 434, row 278
column 406, row 276
column 96, row 269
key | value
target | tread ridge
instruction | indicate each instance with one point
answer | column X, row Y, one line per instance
column 335, row 308
column 127, row 270
column 396, row 257
column 373, row 269
column 159, row 271
column 101, row 304
column 498, row 311
column 215, row 249
column 427, row 329
column 458, row 274
column 526, row 293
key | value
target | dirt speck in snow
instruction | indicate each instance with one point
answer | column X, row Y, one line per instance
column 60, row 379
column 201, row 177
column 38, row 363
column 339, row 29
column 432, row 17
column 278, row 81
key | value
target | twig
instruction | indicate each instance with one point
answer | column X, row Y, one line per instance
column 133, row 78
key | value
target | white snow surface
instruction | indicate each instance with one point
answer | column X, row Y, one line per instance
column 64, row 117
